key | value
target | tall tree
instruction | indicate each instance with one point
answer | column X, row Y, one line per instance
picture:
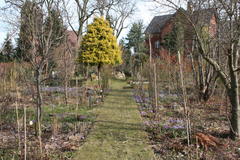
column 37, row 40
column 26, row 20
column 229, row 24
column 117, row 12
column 136, row 44
column 205, row 78
column 84, row 10
column 55, row 22
column 18, row 52
column 7, row 52
column 135, row 37
column 99, row 45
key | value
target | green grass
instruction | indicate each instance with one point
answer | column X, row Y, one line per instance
column 70, row 109
column 118, row 133
column 67, row 120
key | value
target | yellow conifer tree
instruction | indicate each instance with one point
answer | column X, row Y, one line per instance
column 99, row 45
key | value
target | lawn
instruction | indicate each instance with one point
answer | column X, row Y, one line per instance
column 118, row 131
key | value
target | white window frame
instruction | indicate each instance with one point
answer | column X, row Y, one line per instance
column 157, row 44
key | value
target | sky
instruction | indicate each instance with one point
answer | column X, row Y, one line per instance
column 144, row 12
column 2, row 26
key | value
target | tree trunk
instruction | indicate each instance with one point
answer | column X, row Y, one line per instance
column 155, row 86
column 66, row 91
column 65, row 81
column 184, row 95
column 25, row 133
column 233, row 95
column 39, row 96
column 99, row 74
column 39, row 106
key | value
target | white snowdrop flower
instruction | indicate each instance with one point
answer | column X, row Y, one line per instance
column 30, row 123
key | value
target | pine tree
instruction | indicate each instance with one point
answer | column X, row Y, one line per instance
column 58, row 28
column 23, row 42
column 18, row 53
column 135, row 37
column 7, row 52
column 55, row 21
column 99, row 45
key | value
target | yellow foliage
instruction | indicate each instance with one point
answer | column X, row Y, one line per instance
column 99, row 45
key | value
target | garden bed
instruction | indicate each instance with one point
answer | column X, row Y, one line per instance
column 168, row 135
column 64, row 126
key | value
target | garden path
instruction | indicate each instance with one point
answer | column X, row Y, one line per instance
column 118, row 132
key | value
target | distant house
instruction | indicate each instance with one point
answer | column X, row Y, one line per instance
column 65, row 55
column 162, row 25
column 72, row 38
column 155, row 32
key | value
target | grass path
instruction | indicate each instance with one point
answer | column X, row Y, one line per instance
column 118, row 132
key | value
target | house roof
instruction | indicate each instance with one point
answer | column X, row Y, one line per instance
column 157, row 23
column 71, row 38
column 203, row 16
column 200, row 16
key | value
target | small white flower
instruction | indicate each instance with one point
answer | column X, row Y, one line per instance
column 30, row 123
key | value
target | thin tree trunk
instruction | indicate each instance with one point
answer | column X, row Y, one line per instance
column 25, row 133
column 169, row 72
column 155, row 86
column 150, row 49
column 17, row 116
column 77, row 103
column 184, row 99
column 151, row 94
column 99, row 75
column 233, row 95
column 77, row 94
column 65, row 91
column 65, row 81
column 39, row 106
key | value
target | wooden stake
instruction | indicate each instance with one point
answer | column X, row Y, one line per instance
column 25, row 133
column 17, row 116
column 155, row 86
column 184, row 99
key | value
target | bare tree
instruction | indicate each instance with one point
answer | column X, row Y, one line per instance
column 40, row 39
column 229, row 41
column 65, row 59
column 117, row 12
column 204, row 73
column 84, row 10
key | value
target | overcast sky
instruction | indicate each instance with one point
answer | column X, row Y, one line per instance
column 144, row 12
column 2, row 26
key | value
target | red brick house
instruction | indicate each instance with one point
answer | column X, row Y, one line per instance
column 72, row 38
column 160, row 26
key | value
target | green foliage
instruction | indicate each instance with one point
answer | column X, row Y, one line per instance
column 170, row 40
column 7, row 53
column 99, row 45
column 136, row 37
column 55, row 21
column 126, row 61
column 138, row 59
column 31, row 16
column 18, row 53
column 174, row 40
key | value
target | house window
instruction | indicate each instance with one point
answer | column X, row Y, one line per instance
column 157, row 44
